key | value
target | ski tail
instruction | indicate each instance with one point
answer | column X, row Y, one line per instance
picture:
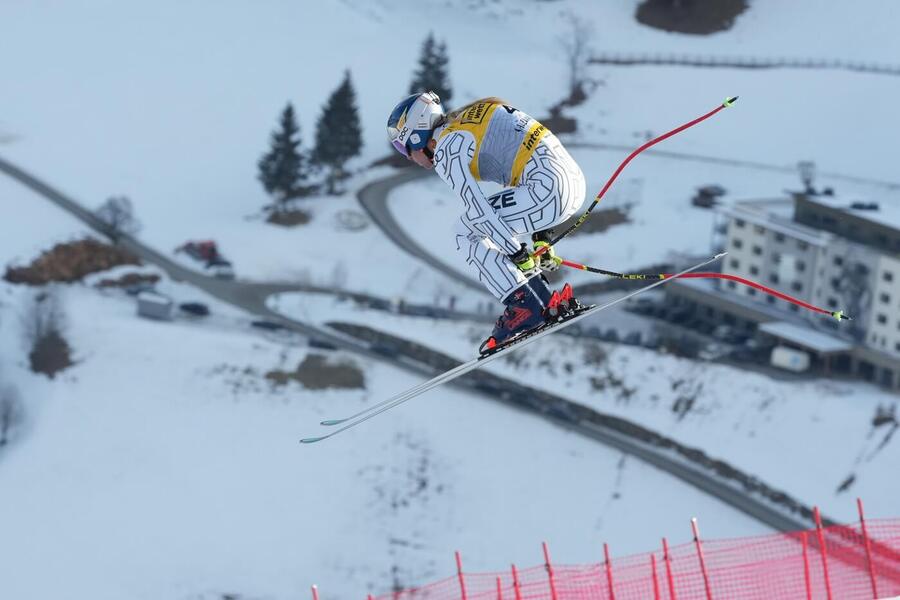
column 410, row 392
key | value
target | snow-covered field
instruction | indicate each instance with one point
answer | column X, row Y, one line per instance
column 804, row 437
column 163, row 465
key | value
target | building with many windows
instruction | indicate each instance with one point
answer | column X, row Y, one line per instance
column 822, row 249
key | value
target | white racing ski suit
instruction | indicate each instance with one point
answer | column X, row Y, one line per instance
column 491, row 141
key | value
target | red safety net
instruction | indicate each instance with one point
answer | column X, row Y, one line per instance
column 771, row 567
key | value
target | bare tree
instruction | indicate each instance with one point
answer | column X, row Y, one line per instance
column 42, row 323
column 118, row 214
column 11, row 413
column 43, row 317
column 576, row 47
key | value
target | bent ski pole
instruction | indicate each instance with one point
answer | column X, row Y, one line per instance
column 837, row 314
column 726, row 104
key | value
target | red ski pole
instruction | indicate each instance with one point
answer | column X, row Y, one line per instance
column 837, row 314
column 726, row 104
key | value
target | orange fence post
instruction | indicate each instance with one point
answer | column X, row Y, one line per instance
column 668, row 560
column 315, row 592
column 655, row 579
column 609, row 577
column 806, row 566
column 549, row 571
column 821, row 537
column 862, row 523
column 516, row 588
column 700, row 556
column 499, row 589
column 459, row 574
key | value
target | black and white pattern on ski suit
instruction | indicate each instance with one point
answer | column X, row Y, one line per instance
column 550, row 190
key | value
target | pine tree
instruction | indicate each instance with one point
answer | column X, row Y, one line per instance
column 283, row 167
column 432, row 72
column 338, row 132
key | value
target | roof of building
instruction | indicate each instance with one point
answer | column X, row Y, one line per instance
column 806, row 337
column 884, row 212
column 776, row 214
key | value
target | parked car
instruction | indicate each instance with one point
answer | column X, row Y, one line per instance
column 206, row 251
column 738, row 337
column 789, row 359
column 378, row 304
column 268, row 325
column 713, row 351
column 198, row 309
column 753, row 344
column 708, row 196
column 722, row 332
column 220, row 269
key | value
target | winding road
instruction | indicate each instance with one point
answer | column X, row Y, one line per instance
column 373, row 199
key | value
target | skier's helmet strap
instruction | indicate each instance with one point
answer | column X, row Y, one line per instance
column 413, row 120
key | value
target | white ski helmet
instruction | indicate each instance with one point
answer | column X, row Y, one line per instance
column 413, row 121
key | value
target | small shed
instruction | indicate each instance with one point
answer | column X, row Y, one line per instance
column 154, row 305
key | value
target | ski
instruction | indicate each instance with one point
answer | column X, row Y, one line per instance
column 475, row 363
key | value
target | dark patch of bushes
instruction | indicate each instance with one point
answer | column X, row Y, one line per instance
column 70, row 262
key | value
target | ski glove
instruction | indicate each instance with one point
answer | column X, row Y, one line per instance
column 523, row 260
column 548, row 261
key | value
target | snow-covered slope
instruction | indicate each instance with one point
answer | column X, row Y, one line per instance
column 806, row 437
column 162, row 466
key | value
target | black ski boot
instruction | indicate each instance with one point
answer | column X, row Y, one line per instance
column 526, row 310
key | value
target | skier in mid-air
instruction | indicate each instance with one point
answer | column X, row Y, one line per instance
column 488, row 140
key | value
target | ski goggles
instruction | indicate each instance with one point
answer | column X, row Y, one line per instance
column 416, row 140
column 400, row 147
column 397, row 130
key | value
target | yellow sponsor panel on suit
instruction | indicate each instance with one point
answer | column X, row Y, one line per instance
column 505, row 138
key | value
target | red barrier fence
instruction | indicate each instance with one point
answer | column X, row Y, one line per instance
column 844, row 562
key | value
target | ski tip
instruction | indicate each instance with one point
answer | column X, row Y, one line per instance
column 330, row 422
column 719, row 255
column 730, row 101
column 840, row 316
column 313, row 440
